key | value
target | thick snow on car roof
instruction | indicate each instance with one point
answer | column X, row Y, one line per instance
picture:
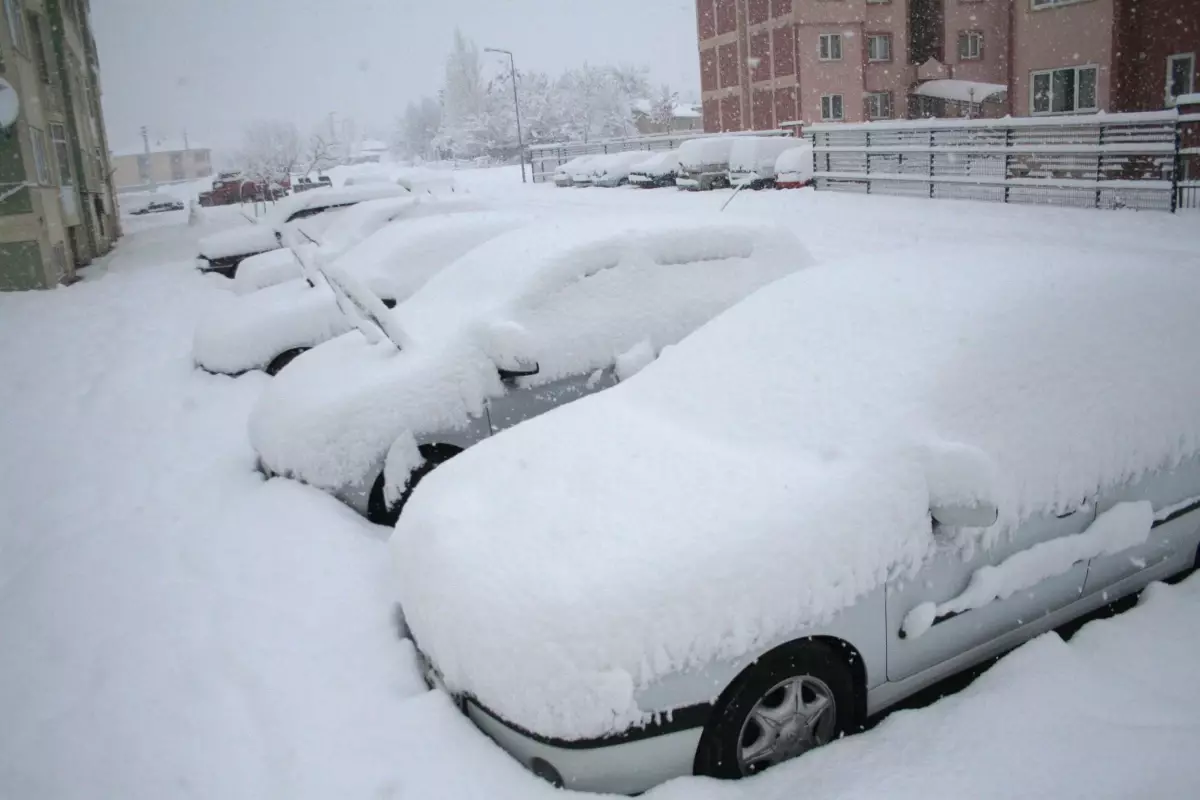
column 657, row 164
column 705, row 151
column 573, row 294
column 779, row 464
column 314, row 198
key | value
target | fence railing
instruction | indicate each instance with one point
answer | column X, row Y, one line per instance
column 1101, row 161
column 546, row 158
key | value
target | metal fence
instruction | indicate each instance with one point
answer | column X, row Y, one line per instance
column 546, row 158
column 1102, row 161
column 1187, row 196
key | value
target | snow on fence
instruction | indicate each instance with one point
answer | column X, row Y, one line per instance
column 545, row 158
column 1101, row 161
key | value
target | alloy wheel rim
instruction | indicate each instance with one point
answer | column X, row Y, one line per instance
column 796, row 715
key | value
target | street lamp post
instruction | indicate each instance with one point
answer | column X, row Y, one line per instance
column 516, row 104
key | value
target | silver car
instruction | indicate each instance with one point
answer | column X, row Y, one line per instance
column 856, row 482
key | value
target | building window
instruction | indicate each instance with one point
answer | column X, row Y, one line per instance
column 831, row 47
column 970, row 45
column 59, row 257
column 62, row 153
column 879, row 47
column 1063, row 91
column 16, row 24
column 38, row 47
column 831, row 106
column 41, row 165
column 879, row 105
column 1181, row 73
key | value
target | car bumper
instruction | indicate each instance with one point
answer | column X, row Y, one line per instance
column 627, row 763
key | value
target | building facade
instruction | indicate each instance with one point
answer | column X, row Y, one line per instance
column 57, row 209
column 767, row 62
column 135, row 169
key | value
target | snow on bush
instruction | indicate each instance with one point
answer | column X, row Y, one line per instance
column 583, row 290
column 771, row 469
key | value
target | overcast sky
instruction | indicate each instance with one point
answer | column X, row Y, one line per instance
column 210, row 66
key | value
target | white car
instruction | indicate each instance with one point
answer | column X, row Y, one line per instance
column 660, row 169
column 614, row 169
column 526, row 322
column 221, row 253
column 752, row 159
column 858, row 481
column 267, row 329
column 342, row 231
column 794, row 167
column 564, row 174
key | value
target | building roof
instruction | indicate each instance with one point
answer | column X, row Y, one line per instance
column 162, row 144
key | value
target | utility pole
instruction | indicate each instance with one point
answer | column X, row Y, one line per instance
column 512, row 64
column 149, row 159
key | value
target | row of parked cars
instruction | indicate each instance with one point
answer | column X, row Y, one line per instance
column 715, row 162
column 671, row 498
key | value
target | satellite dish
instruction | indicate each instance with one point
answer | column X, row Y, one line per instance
column 9, row 104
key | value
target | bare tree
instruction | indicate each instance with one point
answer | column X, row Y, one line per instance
column 662, row 109
column 321, row 153
column 271, row 151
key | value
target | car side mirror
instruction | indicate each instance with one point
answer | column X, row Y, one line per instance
column 979, row 515
column 521, row 371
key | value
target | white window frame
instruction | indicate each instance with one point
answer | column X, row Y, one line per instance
column 841, row 102
column 873, row 99
column 58, row 136
column 970, row 37
column 825, row 47
column 1190, row 58
column 1033, row 75
column 15, row 12
column 41, row 162
column 886, row 38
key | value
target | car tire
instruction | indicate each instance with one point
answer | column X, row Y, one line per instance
column 737, row 730
column 378, row 510
column 283, row 359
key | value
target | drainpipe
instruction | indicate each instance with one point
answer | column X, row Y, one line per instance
column 55, row 15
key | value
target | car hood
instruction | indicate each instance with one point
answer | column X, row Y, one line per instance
column 330, row 417
column 245, row 239
column 246, row 332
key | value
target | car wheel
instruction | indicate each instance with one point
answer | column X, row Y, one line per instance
column 378, row 510
column 794, row 699
column 283, row 359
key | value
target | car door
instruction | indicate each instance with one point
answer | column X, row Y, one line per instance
column 1174, row 494
column 522, row 402
column 946, row 575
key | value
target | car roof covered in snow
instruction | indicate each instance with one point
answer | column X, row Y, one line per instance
column 571, row 293
column 780, row 463
column 760, row 152
column 707, row 150
column 659, row 163
column 328, row 197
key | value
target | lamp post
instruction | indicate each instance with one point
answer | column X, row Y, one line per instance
column 516, row 104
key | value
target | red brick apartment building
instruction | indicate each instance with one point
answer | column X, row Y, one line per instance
column 767, row 62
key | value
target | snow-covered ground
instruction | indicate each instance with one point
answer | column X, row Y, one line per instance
column 174, row 626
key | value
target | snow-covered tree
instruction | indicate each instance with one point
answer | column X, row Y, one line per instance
column 598, row 101
column 418, row 127
column 271, row 151
column 662, row 108
column 464, row 97
column 321, row 153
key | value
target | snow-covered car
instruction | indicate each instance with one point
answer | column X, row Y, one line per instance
column 794, row 167
column 422, row 180
column 149, row 203
column 704, row 163
column 221, row 253
column 563, row 174
column 614, row 169
column 660, row 169
column 861, row 479
column 526, row 322
column 269, row 328
column 752, row 159
column 338, row 232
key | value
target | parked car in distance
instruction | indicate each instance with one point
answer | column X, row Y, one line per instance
column 306, row 183
column 794, row 167
column 339, row 232
column 144, row 203
column 861, row 479
column 614, row 170
column 563, row 174
column 422, row 180
column 659, row 170
column 267, row 329
column 526, row 322
column 221, row 253
column 704, row 163
column 752, row 159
